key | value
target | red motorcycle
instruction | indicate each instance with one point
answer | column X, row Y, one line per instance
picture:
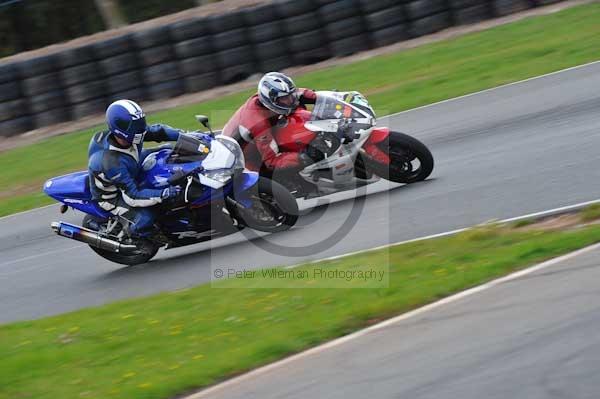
column 342, row 125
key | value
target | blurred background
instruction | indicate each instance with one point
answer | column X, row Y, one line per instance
column 197, row 49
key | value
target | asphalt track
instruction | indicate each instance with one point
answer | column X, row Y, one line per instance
column 532, row 337
column 514, row 150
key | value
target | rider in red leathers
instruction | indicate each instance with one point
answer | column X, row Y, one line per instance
column 253, row 122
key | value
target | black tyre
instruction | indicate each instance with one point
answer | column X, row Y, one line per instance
column 123, row 81
column 118, row 63
column 234, row 56
column 291, row 8
column 458, row 4
column 410, row 160
column 312, row 56
column 275, row 64
column 273, row 49
column 51, row 117
column 136, row 94
column 80, row 73
column 428, row 25
column 339, row 10
column 161, row 73
column 147, row 248
column 15, row 126
column 223, row 22
column 113, row 46
column 385, row 18
column 265, row 32
column 370, row 6
column 10, row 91
column 301, row 23
column 505, row 7
column 422, row 8
column 344, row 28
column 85, row 91
column 237, row 73
column 92, row 107
column 39, row 84
column 387, row 36
column 471, row 15
column 195, row 83
column 188, row 29
column 230, row 39
column 13, row 109
column 152, row 37
column 162, row 90
column 8, row 73
column 259, row 14
column 46, row 101
column 155, row 55
column 194, row 47
column 37, row 66
column 349, row 45
column 273, row 208
column 75, row 56
column 197, row 65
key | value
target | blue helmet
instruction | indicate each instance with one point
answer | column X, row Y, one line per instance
column 126, row 119
column 277, row 92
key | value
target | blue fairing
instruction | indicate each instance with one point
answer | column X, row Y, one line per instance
column 73, row 190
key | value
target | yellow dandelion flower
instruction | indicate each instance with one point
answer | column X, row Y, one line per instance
column 129, row 374
column 145, row 385
column 197, row 357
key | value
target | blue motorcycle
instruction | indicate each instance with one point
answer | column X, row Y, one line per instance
column 220, row 198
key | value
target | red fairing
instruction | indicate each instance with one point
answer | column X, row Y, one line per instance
column 294, row 137
column 274, row 143
column 371, row 148
column 378, row 135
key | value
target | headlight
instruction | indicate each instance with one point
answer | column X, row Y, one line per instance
column 220, row 175
column 236, row 150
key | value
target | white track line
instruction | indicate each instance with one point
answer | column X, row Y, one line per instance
column 340, row 341
column 562, row 209
column 432, row 105
column 496, row 88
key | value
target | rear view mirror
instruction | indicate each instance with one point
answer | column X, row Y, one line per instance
column 203, row 119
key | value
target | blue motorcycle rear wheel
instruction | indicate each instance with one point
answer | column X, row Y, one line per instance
column 147, row 249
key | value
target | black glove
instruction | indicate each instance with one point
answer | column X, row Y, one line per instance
column 171, row 193
column 345, row 132
column 314, row 152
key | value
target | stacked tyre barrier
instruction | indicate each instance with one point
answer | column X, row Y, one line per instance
column 203, row 52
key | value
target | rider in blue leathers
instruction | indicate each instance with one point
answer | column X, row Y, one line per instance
column 115, row 158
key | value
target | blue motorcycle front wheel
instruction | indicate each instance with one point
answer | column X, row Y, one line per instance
column 273, row 208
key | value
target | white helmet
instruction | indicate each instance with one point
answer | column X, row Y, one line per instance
column 277, row 92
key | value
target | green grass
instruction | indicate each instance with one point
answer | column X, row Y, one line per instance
column 591, row 212
column 392, row 82
column 171, row 343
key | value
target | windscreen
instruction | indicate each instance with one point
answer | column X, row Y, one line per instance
column 331, row 107
column 187, row 145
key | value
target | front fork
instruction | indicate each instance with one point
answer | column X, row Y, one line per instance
column 371, row 147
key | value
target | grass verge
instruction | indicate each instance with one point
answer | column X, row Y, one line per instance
column 393, row 83
column 171, row 343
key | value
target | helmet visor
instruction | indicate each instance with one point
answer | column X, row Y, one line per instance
column 287, row 101
column 138, row 126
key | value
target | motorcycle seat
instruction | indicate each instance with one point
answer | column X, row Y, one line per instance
column 74, row 185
